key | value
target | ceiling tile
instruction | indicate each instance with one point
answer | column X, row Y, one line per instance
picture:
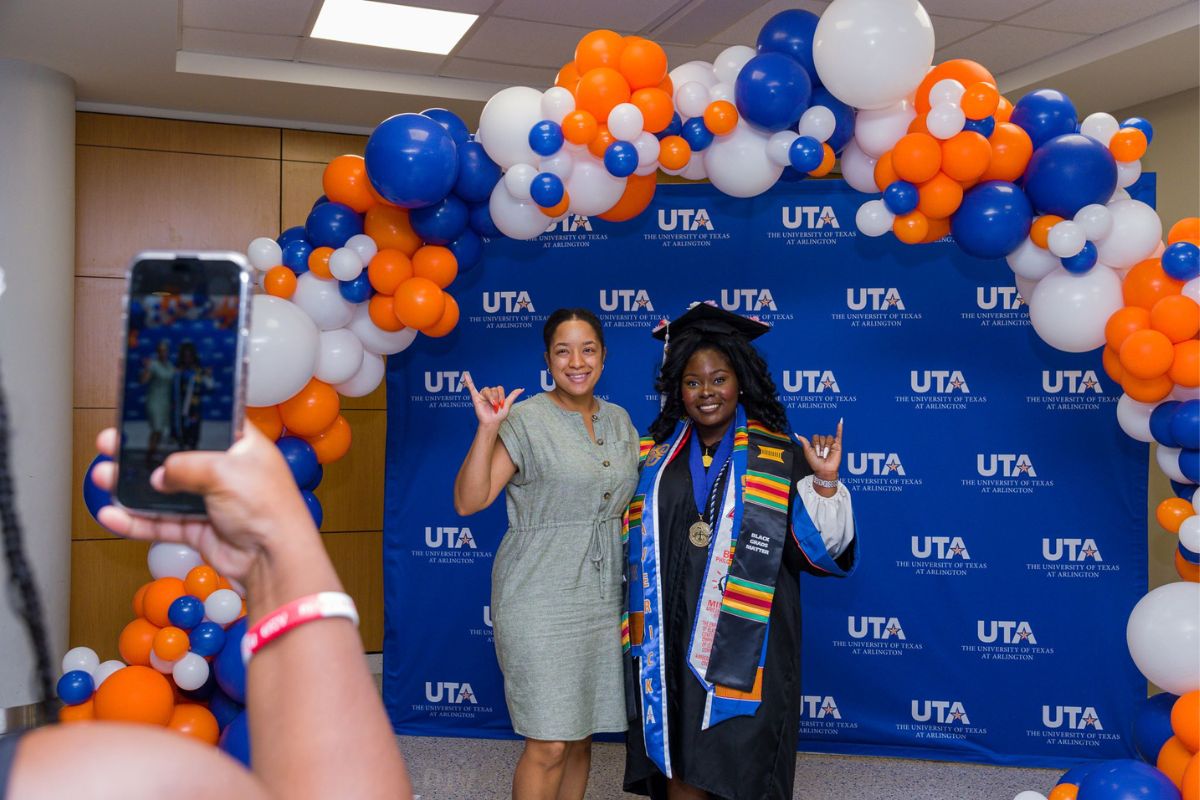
column 624, row 16
column 947, row 30
column 1001, row 48
column 1088, row 16
column 745, row 31
column 282, row 17
column 990, row 10
column 357, row 56
column 246, row 45
column 511, row 74
column 461, row 6
column 513, row 41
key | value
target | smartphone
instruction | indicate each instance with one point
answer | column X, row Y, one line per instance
column 187, row 319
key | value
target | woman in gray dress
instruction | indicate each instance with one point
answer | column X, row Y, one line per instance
column 568, row 463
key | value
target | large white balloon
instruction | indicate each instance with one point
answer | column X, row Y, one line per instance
column 561, row 163
column 591, row 188
column 699, row 71
column 363, row 382
column 729, row 63
column 171, row 560
column 505, row 123
column 878, row 130
column 1163, row 635
column 1069, row 311
column 873, row 53
column 1032, row 262
column 1096, row 221
column 339, row 355
column 322, row 301
column 516, row 219
column 738, row 164
column 721, row 90
column 282, row 350
column 1025, row 287
column 858, row 168
column 82, row 658
column 1134, row 418
column 375, row 339
column 264, row 253
column 694, row 170
column 1167, row 459
column 1136, row 231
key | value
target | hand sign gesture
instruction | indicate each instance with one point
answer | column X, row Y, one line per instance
column 491, row 403
column 823, row 453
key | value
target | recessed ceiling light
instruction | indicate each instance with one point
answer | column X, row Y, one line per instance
column 423, row 30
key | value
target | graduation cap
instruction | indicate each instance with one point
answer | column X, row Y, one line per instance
column 709, row 318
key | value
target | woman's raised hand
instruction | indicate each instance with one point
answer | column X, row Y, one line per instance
column 823, row 453
column 491, row 403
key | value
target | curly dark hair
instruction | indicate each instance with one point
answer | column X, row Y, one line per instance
column 759, row 395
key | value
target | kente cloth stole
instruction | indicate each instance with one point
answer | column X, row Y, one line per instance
column 728, row 643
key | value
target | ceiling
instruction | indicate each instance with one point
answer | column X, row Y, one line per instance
column 250, row 60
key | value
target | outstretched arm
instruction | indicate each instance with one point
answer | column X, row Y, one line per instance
column 488, row 466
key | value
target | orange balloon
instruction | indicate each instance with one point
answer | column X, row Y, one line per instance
column 966, row 156
column 223, row 583
column 918, row 125
column 449, row 319
column 1124, row 322
column 1185, row 369
column 1063, row 791
column 345, row 181
column 391, row 230
column 1146, row 354
column 139, row 597
column 419, row 303
column 1112, row 364
column 137, row 641
column 1173, row 760
column 674, row 152
column 1146, row 284
column 382, row 310
column 1186, row 569
column 1128, row 144
column 318, row 263
column 1003, row 110
column 720, row 117
column 82, row 712
column 939, row 196
column 158, row 598
column 1172, row 512
column 827, row 160
column 311, row 410
column 600, row 90
column 388, row 269
column 1191, row 778
column 600, row 48
column 667, row 86
column 559, row 208
column 171, row 643
column 436, row 263
column 911, row 228
column 656, row 108
column 938, row 228
column 279, row 282
column 917, row 157
column 1040, row 231
column 601, row 141
column 1185, row 719
column 885, row 174
column 642, row 62
column 266, row 419
column 639, row 191
column 963, row 70
column 1011, row 150
column 567, row 77
column 201, row 581
column 135, row 694
column 331, row 443
column 980, row 100
column 1147, row 391
column 196, row 721
column 1177, row 317
column 579, row 127
column 1186, row 228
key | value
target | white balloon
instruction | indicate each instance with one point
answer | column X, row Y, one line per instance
column 646, row 169
column 1192, row 289
column 699, row 71
column 1119, row 194
column 648, row 147
column 873, row 53
column 190, row 672
column 591, row 188
column 1100, row 126
column 874, row 218
column 363, row 246
column 779, row 146
column 83, row 658
column 945, row 120
column 161, row 664
column 282, row 350
column 625, row 122
column 1196, row 501
column 557, row 102
column 1136, row 231
column 366, row 379
column 517, row 219
column 1134, row 418
column 171, row 560
column 519, row 180
column 505, row 124
column 817, row 122
column 1069, row 311
column 105, row 670
column 375, row 339
column 858, row 168
column 264, row 253
column 1128, row 172
column 1066, row 239
column 322, row 302
column 1167, row 459
column 722, row 90
column 1096, row 221
column 345, row 264
column 1163, row 635
column 1189, row 534
column 339, row 355
column 946, row 90
column 738, row 164
column 1025, row 288
column 1185, row 393
column 1030, row 795
column 561, row 163
column 694, row 170
column 223, row 606
column 691, row 99
column 729, row 63
column 878, row 130
column 1032, row 262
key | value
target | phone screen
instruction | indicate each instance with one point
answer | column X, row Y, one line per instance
column 183, row 371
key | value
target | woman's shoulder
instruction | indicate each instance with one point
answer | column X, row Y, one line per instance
column 617, row 411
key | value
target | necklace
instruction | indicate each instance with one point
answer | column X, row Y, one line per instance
column 700, row 534
column 707, row 452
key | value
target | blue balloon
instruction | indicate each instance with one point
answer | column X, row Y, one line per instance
column 75, row 687
column 1069, row 172
column 791, row 175
column 440, row 223
column 1142, row 125
column 1184, row 490
column 231, row 672
column 1074, row 775
column 301, row 459
column 358, row 290
column 696, row 134
column 206, row 639
column 224, row 708
column 1126, row 779
column 1185, row 424
column 1189, row 464
column 1160, row 423
column 1152, row 725
column 993, row 220
column 295, row 255
column 1082, row 261
column 319, row 201
column 186, row 612
column 314, row 508
column 901, row 197
column 546, row 138
column 1181, row 261
column 451, row 122
column 772, row 91
column 843, row 130
column 94, row 497
column 468, row 250
column 235, row 739
column 1045, row 114
column 331, row 224
column 411, row 160
column 674, row 127
column 984, row 127
column 791, row 33
column 290, row 235
column 547, row 189
column 621, row 159
column 805, row 154
column 481, row 222
column 477, row 174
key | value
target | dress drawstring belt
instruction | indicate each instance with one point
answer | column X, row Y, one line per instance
column 599, row 548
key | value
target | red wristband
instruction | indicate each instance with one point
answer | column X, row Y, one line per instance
column 323, row 605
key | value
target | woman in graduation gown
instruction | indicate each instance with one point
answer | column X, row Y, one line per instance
column 728, row 511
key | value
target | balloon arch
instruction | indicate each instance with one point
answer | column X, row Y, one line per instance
column 939, row 150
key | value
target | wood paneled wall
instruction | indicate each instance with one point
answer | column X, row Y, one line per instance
column 153, row 183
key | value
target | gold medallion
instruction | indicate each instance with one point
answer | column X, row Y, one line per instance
column 700, row 533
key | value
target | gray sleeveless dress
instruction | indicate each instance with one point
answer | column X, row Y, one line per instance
column 557, row 580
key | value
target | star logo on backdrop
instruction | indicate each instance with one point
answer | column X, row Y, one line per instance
column 893, row 466
column 1024, row 634
column 829, row 218
column 894, row 630
column 1091, row 720
column 1090, row 384
column 891, row 300
column 956, row 383
column 643, row 302
column 828, row 383
column 958, row 550
column 764, row 301
column 524, row 304
column 1020, row 300
column 828, row 709
column 467, row 539
column 1089, row 552
column 1024, row 467
column 467, row 696
column 957, row 716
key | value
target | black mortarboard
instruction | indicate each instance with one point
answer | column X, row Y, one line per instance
column 708, row 318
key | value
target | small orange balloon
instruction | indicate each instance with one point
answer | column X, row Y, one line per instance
column 642, row 62
column 938, row 228
column 966, row 155
column 885, row 174
column 137, row 641
column 720, row 117
column 1003, row 110
column 1173, row 760
column 1011, row 150
column 388, row 269
column 279, row 282
column 446, row 324
column 318, row 263
column 1185, row 719
column 918, row 125
column 389, row 226
column 1172, row 512
column 1177, row 317
column 911, row 228
column 639, row 191
column 1112, row 364
column 1040, row 231
column 139, row 597
column 567, row 77
column 201, row 581
column 382, row 310
column 1186, row 228
column 266, row 419
column 827, row 160
column 980, row 100
column 311, row 410
column 1146, row 354
column 436, row 263
column 600, row 48
column 1146, row 284
column 196, row 721
column 419, row 303
column 223, row 583
column 674, row 152
column 1188, row 571
column 656, row 107
column 331, row 443
column 667, row 86
column 158, row 598
column 963, row 70
column 82, row 712
column 917, row 157
column 1147, row 391
column 345, row 181
column 135, row 694
column 171, row 643
column 1128, row 144
column 600, row 90
column 580, row 127
column 1063, row 791
column 559, row 208
column 1185, row 368
column 601, row 141
column 1124, row 322
column 939, row 197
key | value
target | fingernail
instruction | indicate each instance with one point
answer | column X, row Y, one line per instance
column 157, row 476
column 840, row 420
